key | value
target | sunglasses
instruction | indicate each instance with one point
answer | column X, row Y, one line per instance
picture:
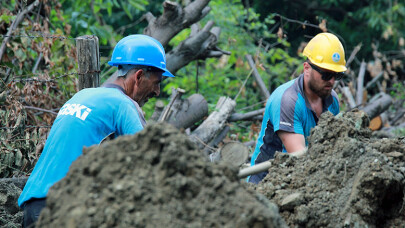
column 326, row 76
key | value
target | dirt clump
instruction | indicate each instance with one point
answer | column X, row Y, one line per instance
column 10, row 213
column 156, row 178
column 348, row 178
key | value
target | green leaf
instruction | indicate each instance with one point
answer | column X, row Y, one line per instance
column 7, row 18
column 125, row 8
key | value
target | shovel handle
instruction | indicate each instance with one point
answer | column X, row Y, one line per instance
column 261, row 167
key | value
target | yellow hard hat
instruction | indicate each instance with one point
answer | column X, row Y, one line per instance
column 326, row 51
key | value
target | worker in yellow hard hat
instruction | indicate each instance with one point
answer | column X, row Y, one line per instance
column 294, row 107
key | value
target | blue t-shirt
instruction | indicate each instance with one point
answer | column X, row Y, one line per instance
column 86, row 119
column 287, row 109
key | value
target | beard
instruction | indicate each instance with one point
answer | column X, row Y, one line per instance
column 320, row 90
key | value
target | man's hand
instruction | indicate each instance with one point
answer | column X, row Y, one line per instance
column 294, row 143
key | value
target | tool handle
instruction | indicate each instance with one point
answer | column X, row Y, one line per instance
column 264, row 166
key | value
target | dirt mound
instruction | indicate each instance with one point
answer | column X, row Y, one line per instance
column 10, row 214
column 156, row 178
column 348, row 178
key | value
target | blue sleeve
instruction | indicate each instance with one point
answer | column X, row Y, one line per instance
column 128, row 121
column 289, row 114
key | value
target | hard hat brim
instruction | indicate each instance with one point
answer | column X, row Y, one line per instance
column 168, row 74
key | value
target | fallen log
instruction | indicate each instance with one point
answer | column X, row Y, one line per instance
column 214, row 123
column 216, row 140
column 378, row 122
column 185, row 113
column 234, row 153
column 377, row 105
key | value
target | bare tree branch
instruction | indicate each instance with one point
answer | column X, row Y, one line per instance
column 202, row 45
column 174, row 19
column 14, row 25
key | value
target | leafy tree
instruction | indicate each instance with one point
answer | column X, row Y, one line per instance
column 376, row 21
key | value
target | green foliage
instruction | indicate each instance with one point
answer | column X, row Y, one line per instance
column 102, row 18
column 375, row 21
column 224, row 77
column 398, row 91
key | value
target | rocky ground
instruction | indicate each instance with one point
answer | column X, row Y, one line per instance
column 10, row 214
column 350, row 177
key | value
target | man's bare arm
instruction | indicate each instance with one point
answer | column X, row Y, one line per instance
column 293, row 142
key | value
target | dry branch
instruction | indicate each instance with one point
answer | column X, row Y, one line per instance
column 201, row 45
column 174, row 19
column 245, row 116
column 375, row 80
column 353, row 54
column 14, row 25
column 263, row 90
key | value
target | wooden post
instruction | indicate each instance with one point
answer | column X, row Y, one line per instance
column 265, row 93
column 89, row 61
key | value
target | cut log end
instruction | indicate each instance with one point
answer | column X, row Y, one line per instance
column 234, row 153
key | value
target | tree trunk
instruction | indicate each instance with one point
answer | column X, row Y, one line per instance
column 201, row 44
column 184, row 113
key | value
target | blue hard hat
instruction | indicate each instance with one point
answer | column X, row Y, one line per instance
column 140, row 50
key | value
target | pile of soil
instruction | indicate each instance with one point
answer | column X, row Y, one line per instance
column 348, row 178
column 156, row 178
column 10, row 214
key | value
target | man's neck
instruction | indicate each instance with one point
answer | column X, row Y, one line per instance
column 120, row 82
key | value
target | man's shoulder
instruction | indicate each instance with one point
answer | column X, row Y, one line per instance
column 100, row 93
column 286, row 93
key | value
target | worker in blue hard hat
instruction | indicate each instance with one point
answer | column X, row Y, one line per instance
column 95, row 114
